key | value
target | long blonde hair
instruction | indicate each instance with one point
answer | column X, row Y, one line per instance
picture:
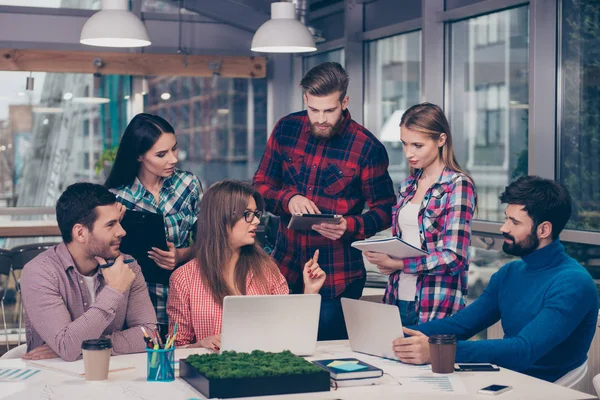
column 430, row 120
column 221, row 207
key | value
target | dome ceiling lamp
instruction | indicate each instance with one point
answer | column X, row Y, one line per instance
column 283, row 33
column 114, row 26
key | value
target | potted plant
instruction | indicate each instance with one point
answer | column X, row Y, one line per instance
column 104, row 164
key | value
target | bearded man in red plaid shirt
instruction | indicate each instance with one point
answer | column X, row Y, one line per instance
column 322, row 161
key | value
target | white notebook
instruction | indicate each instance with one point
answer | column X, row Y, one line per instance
column 391, row 246
column 75, row 368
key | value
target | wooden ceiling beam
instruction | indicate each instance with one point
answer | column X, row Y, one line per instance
column 142, row 64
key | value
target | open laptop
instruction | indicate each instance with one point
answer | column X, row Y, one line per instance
column 271, row 323
column 372, row 327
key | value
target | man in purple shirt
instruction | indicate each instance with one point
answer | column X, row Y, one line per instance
column 68, row 298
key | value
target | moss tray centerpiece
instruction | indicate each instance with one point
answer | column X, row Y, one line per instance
column 259, row 373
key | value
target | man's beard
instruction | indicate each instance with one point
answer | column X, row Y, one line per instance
column 327, row 133
column 96, row 248
column 521, row 249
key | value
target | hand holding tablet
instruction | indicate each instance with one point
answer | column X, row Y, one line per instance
column 305, row 222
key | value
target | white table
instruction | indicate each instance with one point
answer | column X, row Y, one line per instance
column 132, row 384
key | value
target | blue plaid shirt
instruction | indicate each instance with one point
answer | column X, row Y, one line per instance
column 179, row 200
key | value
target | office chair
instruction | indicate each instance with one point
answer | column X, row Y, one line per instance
column 21, row 255
column 5, row 264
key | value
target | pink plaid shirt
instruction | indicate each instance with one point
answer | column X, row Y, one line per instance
column 59, row 311
column 445, row 220
column 192, row 306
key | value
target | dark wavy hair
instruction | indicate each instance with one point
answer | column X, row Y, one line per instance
column 139, row 137
column 543, row 199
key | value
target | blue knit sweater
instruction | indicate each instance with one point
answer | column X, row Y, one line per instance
column 548, row 305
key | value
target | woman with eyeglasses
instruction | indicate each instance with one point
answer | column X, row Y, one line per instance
column 228, row 262
column 144, row 178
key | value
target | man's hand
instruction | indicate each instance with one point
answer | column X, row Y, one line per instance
column 413, row 349
column 385, row 264
column 301, row 205
column 118, row 276
column 212, row 343
column 332, row 231
column 313, row 275
column 43, row 352
column 164, row 259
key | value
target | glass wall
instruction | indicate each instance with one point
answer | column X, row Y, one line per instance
column 221, row 123
column 579, row 118
column 488, row 101
column 56, row 134
column 393, row 84
column 333, row 56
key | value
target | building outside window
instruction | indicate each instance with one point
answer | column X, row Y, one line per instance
column 488, row 101
column 393, row 84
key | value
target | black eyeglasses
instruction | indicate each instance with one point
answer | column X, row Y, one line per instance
column 249, row 215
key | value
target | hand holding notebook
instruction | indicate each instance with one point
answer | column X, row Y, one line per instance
column 393, row 246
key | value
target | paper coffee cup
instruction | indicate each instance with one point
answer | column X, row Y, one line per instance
column 442, row 351
column 96, row 358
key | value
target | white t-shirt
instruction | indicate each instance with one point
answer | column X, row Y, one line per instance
column 90, row 282
column 408, row 224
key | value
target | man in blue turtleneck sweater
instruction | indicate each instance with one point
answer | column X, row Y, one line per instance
column 547, row 302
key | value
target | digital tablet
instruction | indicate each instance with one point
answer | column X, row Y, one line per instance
column 305, row 222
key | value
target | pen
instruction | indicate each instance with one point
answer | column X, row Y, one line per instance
column 111, row 263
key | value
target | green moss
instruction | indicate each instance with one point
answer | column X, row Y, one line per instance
column 231, row 364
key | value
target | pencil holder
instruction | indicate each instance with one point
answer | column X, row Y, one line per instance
column 160, row 365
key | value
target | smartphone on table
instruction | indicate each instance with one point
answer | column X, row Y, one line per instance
column 494, row 389
column 475, row 367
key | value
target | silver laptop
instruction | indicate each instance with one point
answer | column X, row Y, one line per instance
column 271, row 323
column 372, row 327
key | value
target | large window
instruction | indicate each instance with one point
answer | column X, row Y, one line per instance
column 579, row 118
column 313, row 61
column 393, row 84
column 488, row 101
column 54, row 135
column 220, row 123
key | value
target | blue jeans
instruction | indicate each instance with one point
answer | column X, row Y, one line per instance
column 331, row 317
column 408, row 312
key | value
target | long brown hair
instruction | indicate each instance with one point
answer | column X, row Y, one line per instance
column 221, row 207
column 430, row 120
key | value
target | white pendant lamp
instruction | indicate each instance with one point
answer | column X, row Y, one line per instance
column 114, row 26
column 283, row 33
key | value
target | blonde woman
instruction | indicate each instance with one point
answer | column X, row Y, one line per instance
column 434, row 212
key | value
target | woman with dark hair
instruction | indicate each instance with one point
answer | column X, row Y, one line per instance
column 144, row 178
column 434, row 212
column 228, row 262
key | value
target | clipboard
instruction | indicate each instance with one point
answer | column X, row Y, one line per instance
column 305, row 222
column 392, row 246
column 144, row 230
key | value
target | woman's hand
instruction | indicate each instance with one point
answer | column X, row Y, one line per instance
column 164, row 259
column 384, row 263
column 313, row 275
column 212, row 343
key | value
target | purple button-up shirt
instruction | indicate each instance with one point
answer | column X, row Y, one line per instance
column 58, row 310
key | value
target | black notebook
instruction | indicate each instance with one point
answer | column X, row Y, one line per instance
column 349, row 368
column 145, row 230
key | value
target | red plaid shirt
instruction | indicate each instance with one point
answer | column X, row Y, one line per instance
column 339, row 175
column 192, row 306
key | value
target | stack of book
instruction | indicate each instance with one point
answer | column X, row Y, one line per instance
column 350, row 372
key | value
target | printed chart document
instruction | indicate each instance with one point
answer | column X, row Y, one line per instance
column 392, row 246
